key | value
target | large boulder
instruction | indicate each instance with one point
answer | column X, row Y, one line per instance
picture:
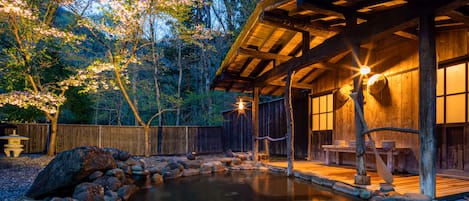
column 89, row 192
column 109, row 183
column 118, row 154
column 68, row 169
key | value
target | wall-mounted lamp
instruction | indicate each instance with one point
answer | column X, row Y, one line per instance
column 364, row 70
column 342, row 95
column 241, row 104
column 376, row 84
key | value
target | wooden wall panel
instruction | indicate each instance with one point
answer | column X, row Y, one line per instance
column 451, row 44
column 396, row 106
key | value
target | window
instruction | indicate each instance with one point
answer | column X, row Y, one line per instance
column 322, row 113
column 452, row 93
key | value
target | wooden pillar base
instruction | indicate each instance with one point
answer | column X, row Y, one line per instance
column 386, row 188
column 362, row 180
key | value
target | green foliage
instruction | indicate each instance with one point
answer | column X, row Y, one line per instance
column 203, row 47
column 11, row 113
column 48, row 68
column 77, row 109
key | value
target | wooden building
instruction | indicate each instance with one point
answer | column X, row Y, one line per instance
column 419, row 47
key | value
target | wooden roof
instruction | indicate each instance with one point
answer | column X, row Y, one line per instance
column 311, row 37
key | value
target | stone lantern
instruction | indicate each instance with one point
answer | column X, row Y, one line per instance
column 14, row 145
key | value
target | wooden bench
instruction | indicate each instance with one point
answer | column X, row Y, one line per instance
column 390, row 154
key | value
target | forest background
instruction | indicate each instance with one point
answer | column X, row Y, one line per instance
column 175, row 51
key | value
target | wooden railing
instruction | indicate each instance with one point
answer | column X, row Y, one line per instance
column 166, row 140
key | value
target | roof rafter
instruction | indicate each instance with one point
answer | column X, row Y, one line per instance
column 263, row 55
column 283, row 58
column 287, row 22
column 405, row 34
column 294, row 85
column 457, row 16
column 364, row 4
column 379, row 26
column 324, row 7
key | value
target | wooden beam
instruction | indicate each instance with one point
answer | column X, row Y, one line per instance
column 378, row 27
column 263, row 55
column 287, row 102
column 293, row 85
column 323, row 7
column 295, row 24
column 311, row 76
column 406, row 35
column 363, row 4
column 326, row 65
column 260, row 7
column 457, row 16
column 427, row 105
column 232, row 76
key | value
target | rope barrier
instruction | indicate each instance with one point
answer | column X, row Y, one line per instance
column 271, row 139
column 404, row 130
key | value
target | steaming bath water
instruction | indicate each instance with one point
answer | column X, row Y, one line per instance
column 238, row 186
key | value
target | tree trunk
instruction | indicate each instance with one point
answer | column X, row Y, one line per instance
column 178, row 107
column 146, row 129
column 290, row 124
column 201, row 84
column 207, row 88
column 155, row 58
column 132, row 106
column 134, row 92
column 229, row 15
column 53, row 136
column 119, row 110
column 157, row 93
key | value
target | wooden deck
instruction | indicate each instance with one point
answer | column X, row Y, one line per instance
column 446, row 187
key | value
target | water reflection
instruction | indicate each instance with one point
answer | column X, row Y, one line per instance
column 238, row 186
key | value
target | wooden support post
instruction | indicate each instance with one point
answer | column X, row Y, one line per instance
column 305, row 48
column 427, row 105
column 255, row 124
column 290, row 123
column 360, row 177
column 310, row 129
column 360, row 150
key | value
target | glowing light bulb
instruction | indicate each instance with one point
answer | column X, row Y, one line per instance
column 241, row 105
column 364, row 70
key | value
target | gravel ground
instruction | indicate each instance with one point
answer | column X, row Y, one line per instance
column 16, row 175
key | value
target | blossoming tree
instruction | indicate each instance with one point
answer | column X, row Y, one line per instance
column 126, row 26
column 32, row 31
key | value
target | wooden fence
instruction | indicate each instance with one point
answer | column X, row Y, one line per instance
column 237, row 127
column 167, row 140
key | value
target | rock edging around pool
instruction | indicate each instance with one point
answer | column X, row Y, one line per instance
column 93, row 174
column 356, row 191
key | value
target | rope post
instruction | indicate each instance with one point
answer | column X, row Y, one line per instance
column 266, row 147
column 187, row 139
column 100, row 137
